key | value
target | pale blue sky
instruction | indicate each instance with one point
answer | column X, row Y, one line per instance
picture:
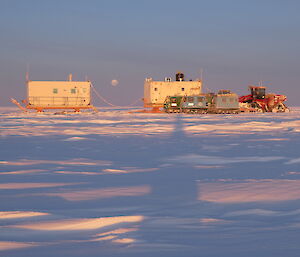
column 236, row 42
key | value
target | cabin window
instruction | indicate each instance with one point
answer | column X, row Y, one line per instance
column 231, row 100
column 73, row 90
column 55, row 90
column 182, row 89
column 224, row 100
column 155, row 89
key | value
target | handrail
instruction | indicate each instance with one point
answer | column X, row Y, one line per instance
column 58, row 101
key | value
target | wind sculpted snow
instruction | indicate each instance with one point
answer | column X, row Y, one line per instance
column 137, row 184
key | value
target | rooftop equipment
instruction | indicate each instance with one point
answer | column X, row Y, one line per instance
column 179, row 76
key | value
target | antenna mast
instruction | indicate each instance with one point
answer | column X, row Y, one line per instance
column 27, row 72
column 201, row 74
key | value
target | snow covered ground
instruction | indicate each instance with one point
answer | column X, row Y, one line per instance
column 135, row 184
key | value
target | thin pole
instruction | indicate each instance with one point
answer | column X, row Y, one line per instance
column 201, row 74
column 27, row 72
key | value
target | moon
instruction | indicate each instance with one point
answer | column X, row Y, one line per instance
column 114, row 82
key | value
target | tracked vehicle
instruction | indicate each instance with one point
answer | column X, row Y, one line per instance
column 259, row 101
column 223, row 102
column 194, row 104
column 173, row 104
